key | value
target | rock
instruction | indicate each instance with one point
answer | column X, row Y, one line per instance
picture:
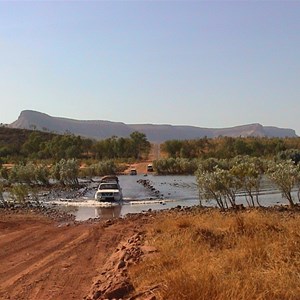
column 121, row 264
column 108, row 223
column 113, row 280
column 119, row 290
column 97, row 295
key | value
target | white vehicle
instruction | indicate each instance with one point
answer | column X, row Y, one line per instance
column 109, row 190
column 150, row 168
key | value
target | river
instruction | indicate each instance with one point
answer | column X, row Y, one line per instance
column 165, row 192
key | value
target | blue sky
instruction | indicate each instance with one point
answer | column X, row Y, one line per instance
column 202, row 63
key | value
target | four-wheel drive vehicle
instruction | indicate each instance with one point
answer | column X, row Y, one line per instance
column 150, row 168
column 133, row 172
column 109, row 189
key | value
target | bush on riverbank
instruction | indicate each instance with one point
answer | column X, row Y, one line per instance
column 212, row 255
column 100, row 169
column 64, row 171
column 222, row 180
column 29, row 173
column 229, row 147
column 175, row 166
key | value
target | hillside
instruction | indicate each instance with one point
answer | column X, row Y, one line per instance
column 99, row 129
column 15, row 137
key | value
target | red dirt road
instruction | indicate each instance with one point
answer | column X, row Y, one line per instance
column 40, row 259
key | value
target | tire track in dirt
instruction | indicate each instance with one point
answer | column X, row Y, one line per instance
column 40, row 262
column 21, row 234
column 37, row 241
column 52, row 262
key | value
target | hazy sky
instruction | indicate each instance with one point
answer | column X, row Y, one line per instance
column 202, row 63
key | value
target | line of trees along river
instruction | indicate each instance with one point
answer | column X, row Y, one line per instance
column 18, row 144
column 223, row 166
column 228, row 147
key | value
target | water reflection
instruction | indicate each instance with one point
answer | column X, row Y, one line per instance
column 107, row 213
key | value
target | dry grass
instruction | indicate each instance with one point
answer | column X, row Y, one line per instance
column 212, row 255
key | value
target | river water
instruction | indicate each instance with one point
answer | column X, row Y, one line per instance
column 160, row 192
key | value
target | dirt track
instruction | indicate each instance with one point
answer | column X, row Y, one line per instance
column 42, row 259
column 141, row 167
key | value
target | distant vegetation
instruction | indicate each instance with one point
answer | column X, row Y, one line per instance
column 21, row 144
column 228, row 147
column 46, row 159
column 226, row 167
column 183, row 157
column 12, row 141
column 223, row 167
column 175, row 166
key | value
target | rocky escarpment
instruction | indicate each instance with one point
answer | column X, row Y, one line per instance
column 155, row 133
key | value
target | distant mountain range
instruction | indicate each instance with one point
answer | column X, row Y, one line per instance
column 99, row 129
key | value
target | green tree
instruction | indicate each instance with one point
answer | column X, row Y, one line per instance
column 141, row 146
column 292, row 154
column 33, row 145
column 173, row 147
column 63, row 146
column 241, row 147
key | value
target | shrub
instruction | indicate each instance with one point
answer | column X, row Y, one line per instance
column 220, row 180
column 2, row 201
column 285, row 175
column 66, row 172
column 29, row 174
column 101, row 168
column 175, row 166
column 292, row 154
column 19, row 193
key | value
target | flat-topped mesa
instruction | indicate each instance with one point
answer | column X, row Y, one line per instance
column 100, row 129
